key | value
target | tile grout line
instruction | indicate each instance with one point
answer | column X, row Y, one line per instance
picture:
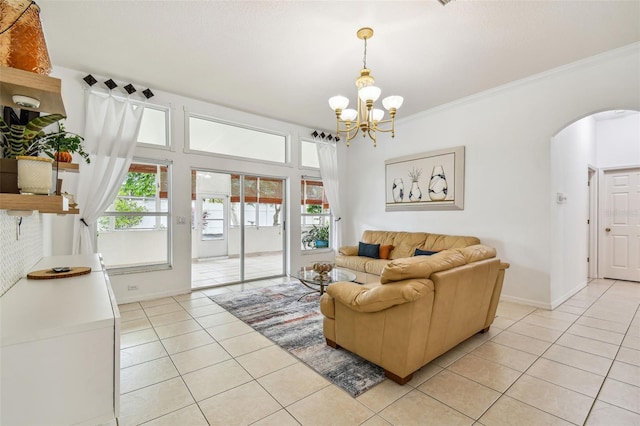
column 537, row 359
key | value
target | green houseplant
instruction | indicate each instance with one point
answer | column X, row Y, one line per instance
column 317, row 236
column 30, row 140
column 25, row 139
column 21, row 146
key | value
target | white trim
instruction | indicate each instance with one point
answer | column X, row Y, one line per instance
column 528, row 302
column 498, row 89
column 187, row 147
column 560, row 300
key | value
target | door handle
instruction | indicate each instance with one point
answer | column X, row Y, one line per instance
column 607, row 229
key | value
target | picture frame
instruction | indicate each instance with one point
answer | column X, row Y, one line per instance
column 431, row 180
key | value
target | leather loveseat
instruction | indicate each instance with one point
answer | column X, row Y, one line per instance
column 421, row 307
column 401, row 244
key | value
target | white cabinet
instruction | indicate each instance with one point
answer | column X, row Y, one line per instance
column 60, row 348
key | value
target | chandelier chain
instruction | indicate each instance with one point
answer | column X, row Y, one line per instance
column 364, row 58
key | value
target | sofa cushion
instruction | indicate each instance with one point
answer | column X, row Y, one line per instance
column 363, row 299
column 421, row 266
column 355, row 263
column 375, row 266
column 438, row 242
column 348, row 250
column 369, row 250
column 419, row 252
column 385, row 251
column 477, row 252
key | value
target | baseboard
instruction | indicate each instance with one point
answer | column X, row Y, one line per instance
column 560, row 300
column 523, row 301
column 151, row 296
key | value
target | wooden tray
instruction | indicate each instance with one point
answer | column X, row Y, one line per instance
column 49, row 274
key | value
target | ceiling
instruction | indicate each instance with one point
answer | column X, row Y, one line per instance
column 284, row 59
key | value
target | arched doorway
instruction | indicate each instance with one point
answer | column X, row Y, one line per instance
column 581, row 154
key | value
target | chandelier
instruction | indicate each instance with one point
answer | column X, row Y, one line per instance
column 366, row 118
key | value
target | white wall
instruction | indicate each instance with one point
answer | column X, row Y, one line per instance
column 618, row 141
column 507, row 133
column 572, row 150
column 178, row 279
column 603, row 140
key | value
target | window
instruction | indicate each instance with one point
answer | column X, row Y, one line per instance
column 135, row 229
column 315, row 215
column 309, row 155
column 154, row 127
column 212, row 219
column 263, row 201
column 219, row 138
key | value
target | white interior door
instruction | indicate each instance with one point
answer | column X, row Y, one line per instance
column 212, row 225
column 620, row 225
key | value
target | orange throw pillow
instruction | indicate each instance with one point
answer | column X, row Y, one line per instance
column 385, row 251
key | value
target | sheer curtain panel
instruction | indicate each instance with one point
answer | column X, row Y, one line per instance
column 328, row 159
column 111, row 129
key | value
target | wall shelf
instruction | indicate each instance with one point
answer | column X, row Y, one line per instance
column 66, row 167
column 48, row 90
column 41, row 203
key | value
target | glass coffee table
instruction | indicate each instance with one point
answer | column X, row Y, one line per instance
column 311, row 279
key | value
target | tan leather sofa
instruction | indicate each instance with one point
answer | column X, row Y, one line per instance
column 422, row 307
column 368, row 270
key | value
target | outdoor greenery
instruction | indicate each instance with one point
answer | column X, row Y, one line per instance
column 136, row 185
column 314, row 208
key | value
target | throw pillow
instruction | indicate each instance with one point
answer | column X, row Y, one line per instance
column 385, row 251
column 419, row 252
column 369, row 250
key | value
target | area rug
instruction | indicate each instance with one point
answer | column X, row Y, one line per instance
column 292, row 320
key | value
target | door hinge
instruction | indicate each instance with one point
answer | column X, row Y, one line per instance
column 587, row 260
column 588, row 221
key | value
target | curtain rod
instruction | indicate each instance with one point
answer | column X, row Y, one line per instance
column 110, row 84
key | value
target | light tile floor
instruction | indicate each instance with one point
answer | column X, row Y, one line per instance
column 186, row 361
column 220, row 271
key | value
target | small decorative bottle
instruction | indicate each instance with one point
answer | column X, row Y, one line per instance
column 415, row 193
column 438, row 186
column 397, row 190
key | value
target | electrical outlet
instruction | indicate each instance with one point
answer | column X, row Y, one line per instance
column 132, row 287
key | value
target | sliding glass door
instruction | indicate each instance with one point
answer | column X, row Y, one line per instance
column 238, row 229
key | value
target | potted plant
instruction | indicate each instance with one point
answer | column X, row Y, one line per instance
column 317, row 236
column 21, row 146
column 61, row 145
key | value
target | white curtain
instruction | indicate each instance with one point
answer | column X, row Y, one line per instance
column 328, row 158
column 111, row 129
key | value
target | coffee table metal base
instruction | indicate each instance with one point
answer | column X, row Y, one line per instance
column 312, row 280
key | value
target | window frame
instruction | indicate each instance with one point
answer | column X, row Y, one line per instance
column 189, row 150
column 304, row 215
column 302, row 166
column 167, row 128
column 146, row 267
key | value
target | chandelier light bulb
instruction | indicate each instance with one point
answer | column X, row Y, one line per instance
column 392, row 102
column 377, row 114
column 349, row 114
column 338, row 102
column 369, row 93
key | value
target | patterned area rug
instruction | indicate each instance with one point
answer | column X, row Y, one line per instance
column 296, row 325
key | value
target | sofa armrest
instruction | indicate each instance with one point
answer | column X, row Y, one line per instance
column 363, row 299
column 348, row 250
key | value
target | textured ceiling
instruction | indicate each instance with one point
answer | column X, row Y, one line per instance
column 284, row 59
